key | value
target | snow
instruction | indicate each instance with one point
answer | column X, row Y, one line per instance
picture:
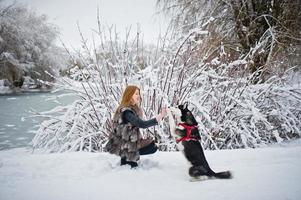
column 263, row 173
column 5, row 90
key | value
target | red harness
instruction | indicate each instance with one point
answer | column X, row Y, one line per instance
column 188, row 133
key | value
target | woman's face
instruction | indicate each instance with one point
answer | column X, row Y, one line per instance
column 136, row 98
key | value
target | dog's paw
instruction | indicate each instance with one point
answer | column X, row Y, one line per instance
column 195, row 171
column 198, row 178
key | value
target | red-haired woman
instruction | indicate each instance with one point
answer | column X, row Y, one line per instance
column 126, row 141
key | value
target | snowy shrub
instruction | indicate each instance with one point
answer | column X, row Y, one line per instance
column 232, row 112
column 193, row 67
column 236, row 114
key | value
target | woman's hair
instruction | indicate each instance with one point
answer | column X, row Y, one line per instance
column 127, row 97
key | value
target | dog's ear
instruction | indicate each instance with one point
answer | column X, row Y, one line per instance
column 181, row 107
column 185, row 105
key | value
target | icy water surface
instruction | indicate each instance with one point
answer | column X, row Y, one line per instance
column 16, row 126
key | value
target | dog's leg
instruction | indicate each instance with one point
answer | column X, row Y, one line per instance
column 172, row 123
column 194, row 153
column 172, row 128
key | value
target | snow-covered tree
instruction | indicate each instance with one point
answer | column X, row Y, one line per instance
column 27, row 45
column 267, row 32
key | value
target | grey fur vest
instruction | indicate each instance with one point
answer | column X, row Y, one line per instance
column 124, row 140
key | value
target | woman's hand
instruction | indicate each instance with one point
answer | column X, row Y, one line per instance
column 163, row 112
column 161, row 115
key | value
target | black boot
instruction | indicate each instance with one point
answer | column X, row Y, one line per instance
column 123, row 161
column 133, row 164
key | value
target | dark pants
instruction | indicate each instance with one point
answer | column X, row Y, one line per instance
column 149, row 149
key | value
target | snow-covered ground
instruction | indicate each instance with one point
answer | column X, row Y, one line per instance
column 264, row 173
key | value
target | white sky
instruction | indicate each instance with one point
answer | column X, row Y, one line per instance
column 66, row 13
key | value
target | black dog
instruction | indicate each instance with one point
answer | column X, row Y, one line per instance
column 188, row 135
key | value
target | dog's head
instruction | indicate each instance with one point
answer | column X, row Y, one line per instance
column 183, row 114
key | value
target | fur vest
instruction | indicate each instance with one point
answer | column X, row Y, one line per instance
column 124, row 140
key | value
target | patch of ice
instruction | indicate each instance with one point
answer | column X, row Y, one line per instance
column 9, row 125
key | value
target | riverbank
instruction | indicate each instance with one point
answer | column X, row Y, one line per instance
column 4, row 90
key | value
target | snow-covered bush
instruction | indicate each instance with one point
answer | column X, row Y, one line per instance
column 192, row 67
column 232, row 112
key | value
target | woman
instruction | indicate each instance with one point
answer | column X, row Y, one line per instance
column 125, row 140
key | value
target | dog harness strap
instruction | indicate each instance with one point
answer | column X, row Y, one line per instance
column 188, row 133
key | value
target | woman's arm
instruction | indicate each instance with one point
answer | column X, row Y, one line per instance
column 129, row 116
